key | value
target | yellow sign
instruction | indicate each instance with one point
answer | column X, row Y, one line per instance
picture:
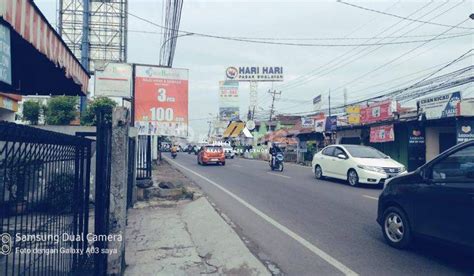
column 353, row 114
column 8, row 103
column 234, row 129
column 353, row 109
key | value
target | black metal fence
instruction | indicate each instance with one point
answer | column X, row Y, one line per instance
column 44, row 195
column 131, row 170
column 144, row 158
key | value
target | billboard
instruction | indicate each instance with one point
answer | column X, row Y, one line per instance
column 381, row 134
column 114, row 81
column 376, row 112
column 442, row 106
column 254, row 73
column 307, row 122
column 229, row 100
column 161, row 101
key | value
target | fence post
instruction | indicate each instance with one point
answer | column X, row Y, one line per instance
column 118, row 190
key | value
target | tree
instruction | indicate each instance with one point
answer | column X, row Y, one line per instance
column 100, row 103
column 61, row 110
column 31, row 111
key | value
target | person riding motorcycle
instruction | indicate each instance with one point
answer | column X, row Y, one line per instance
column 174, row 151
column 274, row 150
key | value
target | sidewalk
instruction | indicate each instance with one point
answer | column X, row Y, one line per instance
column 184, row 237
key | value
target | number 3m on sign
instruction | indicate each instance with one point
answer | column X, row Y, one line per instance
column 161, row 101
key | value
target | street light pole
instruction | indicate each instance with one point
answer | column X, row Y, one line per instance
column 173, row 37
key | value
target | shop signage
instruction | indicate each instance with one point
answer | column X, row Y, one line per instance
column 255, row 73
column 317, row 99
column 465, row 108
column 5, row 55
column 331, row 123
column 114, row 81
column 465, row 129
column 307, row 122
column 353, row 115
column 381, row 134
column 229, row 100
column 319, row 122
column 416, row 147
column 377, row 112
column 161, row 101
column 442, row 106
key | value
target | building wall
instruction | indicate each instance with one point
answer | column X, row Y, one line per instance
column 7, row 115
column 432, row 140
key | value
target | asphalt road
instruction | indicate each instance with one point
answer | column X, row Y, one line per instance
column 310, row 227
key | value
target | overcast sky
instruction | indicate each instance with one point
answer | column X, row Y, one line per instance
column 207, row 58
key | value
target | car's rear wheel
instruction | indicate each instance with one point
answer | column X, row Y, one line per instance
column 223, row 163
column 353, row 178
column 318, row 172
column 396, row 228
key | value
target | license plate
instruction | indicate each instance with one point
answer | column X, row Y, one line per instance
column 214, row 159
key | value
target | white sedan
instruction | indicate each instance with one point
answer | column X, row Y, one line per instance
column 356, row 164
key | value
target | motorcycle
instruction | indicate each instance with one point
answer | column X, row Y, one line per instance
column 277, row 164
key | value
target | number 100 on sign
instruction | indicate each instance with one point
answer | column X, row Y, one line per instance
column 162, row 114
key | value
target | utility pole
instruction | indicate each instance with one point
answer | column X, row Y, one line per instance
column 274, row 93
column 209, row 132
column 329, row 99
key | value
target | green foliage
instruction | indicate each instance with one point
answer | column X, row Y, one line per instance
column 61, row 110
column 101, row 103
column 31, row 111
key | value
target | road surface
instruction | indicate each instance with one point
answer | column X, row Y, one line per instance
column 311, row 227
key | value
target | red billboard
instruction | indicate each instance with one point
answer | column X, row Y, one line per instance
column 376, row 112
column 381, row 134
column 161, row 101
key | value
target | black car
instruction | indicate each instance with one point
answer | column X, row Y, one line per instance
column 436, row 201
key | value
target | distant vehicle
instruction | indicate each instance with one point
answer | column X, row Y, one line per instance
column 229, row 152
column 356, row 164
column 436, row 201
column 211, row 154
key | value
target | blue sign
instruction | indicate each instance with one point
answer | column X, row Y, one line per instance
column 5, row 55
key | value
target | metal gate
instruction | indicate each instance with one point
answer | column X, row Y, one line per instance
column 44, row 196
column 144, row 158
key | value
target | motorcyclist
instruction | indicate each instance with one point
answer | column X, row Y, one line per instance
column 174, row 150
column 274, row 150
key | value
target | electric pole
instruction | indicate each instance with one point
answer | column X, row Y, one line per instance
column 274, row 93
column 209, row 132
column 329, row 99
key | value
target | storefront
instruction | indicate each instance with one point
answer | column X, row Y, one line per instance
column 8, row 106
column 34, row 60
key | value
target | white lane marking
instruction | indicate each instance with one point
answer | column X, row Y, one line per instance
column 280, row 175
column 371, row 197
column 320, row 253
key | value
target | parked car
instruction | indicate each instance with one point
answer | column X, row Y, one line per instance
column 436, row 201
column 211, row 154
column 356, row 164
column 229, row 152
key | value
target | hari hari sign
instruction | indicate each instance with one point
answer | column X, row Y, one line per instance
column 255, row 73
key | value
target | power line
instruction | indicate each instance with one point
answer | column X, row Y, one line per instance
column 274, row 93
column 403, row 17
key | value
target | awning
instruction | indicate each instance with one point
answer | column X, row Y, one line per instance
column 41, row 63
column 234, row 129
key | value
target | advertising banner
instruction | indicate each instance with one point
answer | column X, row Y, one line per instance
column 353, row 114
column 376, row 112
column 5, row 55
column 465, row 108
column 307, row 122
column 254, row 73
column 114, row 81
column 465, row 129
column 442, row 106
column 161, row 101
column 229, row 100
column 381, row 134
column 7, row 103
column 416, row 147
column 331, row 123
